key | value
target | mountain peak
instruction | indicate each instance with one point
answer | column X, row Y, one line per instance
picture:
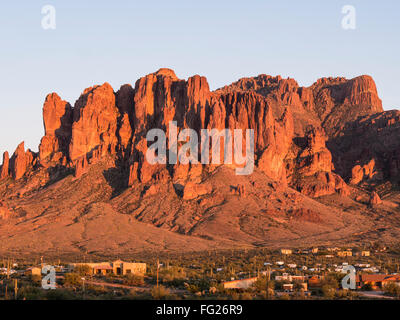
column 166, row 72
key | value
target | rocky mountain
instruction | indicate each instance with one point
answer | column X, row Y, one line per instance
column 327, row 167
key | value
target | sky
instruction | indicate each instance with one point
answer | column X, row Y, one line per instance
column 120, row 41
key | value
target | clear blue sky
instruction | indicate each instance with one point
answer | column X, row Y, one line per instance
column 120, row 41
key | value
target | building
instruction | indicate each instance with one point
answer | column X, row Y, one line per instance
column 315, row 281
column 287, row 287
column 286, row 251
column 240, row 284
column 365, row 253
column 345, row 253
column 117, row 267
column 304, row 286
column 376, row 281
column 103, row 269
column 288, row 277
column 33, row 271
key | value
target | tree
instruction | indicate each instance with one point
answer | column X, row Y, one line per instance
column 30, row 293
column 297, row 286
column 72, row 280
column 328, row 291
column 367, row 287
column 392, row 289
column 133, row 280
column 160, row 293
column 332, row 280
column 262, row 283
column 36, row 280
column 83, row 270
column 59, row 294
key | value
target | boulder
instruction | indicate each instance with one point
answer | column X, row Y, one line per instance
column 5, row 213
column 192, row 190
column 374, row 199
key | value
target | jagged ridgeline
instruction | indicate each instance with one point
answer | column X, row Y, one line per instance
column 310, row 143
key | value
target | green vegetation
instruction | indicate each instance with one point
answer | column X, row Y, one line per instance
column 83, row 270
column 392, row 289
column 133, row 280
column 201, row 275
column 160, row 293
column 73, row 280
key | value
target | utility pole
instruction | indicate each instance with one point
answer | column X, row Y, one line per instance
column 83, row 287
column 268, row 279
column 15, row 288
column 158, row 266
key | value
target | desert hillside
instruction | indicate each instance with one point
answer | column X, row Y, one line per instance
column 327, row 167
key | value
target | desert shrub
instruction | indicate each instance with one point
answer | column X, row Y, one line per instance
column 246, row 296
column 284, row 297
column 297, row 286
column 193, row 288
column 176, row 283
column 346, row 294
column 160, row 293
column 198, row 286
column 132, row 294
column 233, row 295
column 72, row 280
column 96, row 290
column 133, row 280
column 36, row 280
column 278, row 285
column 172, row 273
column 328, row 291
column 298, row 295
column 262, row 283
column 367, row 287
column 137, row 295
column 59, row 294
column 83, row 270
column 203, row 284
column 332, row 280
column 30, row 293
column 392, row 289
column 266, row 295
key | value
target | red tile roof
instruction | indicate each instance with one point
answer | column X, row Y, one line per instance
column 377, row 277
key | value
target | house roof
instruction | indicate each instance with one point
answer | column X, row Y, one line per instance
column 32, row 268
column 378, row 277
column 241, row 280
column 103, row 267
